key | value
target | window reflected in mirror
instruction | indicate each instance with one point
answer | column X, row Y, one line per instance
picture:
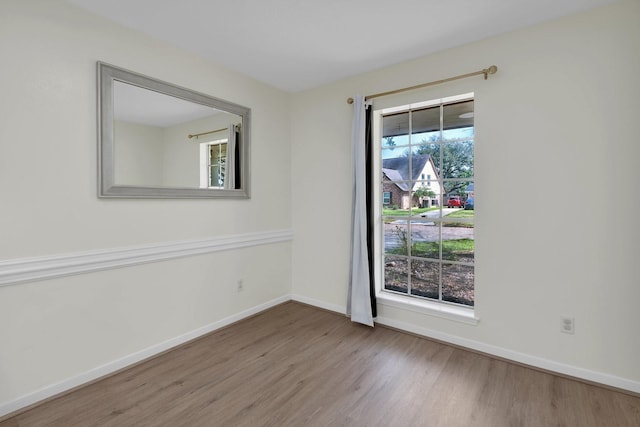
column 216, row 158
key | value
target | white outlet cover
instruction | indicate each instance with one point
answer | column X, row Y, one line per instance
column 567, row 325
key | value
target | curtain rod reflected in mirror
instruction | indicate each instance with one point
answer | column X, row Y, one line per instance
column 209, row 132
column 143, row 124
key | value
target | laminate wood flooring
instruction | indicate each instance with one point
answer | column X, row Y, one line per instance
column 296, row 365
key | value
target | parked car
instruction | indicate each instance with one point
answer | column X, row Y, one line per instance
column 454, row 202
column 468, row 204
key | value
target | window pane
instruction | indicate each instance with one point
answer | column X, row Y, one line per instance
column 425, row 239
column 425, row 138
column 395, row 167
column 215, row 176
column 391, row 153
column 432, row 150
column 457, row 242
column 396, row 237
column 457, row 120
column 425, row 276
column 456, row 192
column 395, row 143
column 457, row 160
column 395, row 124
column 458, row 134
column 426, row 121
column 457, row 284
column 396, row 274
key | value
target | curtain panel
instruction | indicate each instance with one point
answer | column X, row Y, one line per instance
column 361, row 304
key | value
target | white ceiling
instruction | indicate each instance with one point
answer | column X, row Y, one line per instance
column 299, row 44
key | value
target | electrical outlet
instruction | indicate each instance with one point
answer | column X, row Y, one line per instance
column 240, row 285
column 567, row 325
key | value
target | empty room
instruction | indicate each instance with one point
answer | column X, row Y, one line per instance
column 263, row 213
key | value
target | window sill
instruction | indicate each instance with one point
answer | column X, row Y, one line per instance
column 445, row 311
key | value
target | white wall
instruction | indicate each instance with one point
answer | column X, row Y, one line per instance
column 560, row 114
column 138, row 154
column 58, row 329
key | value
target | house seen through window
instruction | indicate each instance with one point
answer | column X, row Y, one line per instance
column 426, row 179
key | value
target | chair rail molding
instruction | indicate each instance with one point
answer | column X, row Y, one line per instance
column 21, row 270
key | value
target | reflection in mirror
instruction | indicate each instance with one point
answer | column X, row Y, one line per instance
column 160, row 140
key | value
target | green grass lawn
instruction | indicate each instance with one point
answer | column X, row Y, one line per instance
column 405, row 212
column 461, row 214
column 451, row 249
column 417, row 211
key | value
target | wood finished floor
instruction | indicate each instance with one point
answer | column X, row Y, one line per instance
column 296, row 365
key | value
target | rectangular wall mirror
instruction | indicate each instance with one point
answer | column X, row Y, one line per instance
column 159, row 140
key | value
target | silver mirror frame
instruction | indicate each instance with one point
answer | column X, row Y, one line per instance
column 107, row 75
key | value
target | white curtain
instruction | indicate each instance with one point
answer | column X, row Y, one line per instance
column 230, row 163
column 359, row 299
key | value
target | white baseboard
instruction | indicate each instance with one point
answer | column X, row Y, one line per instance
column 526, row 359
column 318, row 303
column 116, row 365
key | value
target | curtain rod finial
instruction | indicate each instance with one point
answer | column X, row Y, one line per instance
column 491, row 70
column 349, row 100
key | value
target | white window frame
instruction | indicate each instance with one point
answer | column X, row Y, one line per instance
column 442, row 309
column 205, row 161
